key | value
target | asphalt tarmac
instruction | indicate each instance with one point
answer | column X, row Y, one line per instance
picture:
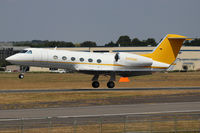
column 107, row 110
column 98, row 90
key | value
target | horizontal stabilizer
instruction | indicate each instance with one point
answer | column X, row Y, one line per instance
column 180, row 38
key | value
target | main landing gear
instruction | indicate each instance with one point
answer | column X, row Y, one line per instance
column 95, row 84
column 110, row 84
column 23, row 70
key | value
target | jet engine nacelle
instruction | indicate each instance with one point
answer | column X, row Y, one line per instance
column 133, row 60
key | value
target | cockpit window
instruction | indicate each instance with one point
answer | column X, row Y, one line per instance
column 23, row 51
column 26, row 51
column 29, row 52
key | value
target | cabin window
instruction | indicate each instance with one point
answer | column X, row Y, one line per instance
column 99, row 61
column 55, row 57
column 64, row 57
column 90, row 60
column 73, row 58
column 81, row 59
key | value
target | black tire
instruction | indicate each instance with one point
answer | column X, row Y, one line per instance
column 111, row 84
column 95, row 84
column 21, row 76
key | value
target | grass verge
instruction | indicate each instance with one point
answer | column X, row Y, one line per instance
column 76, row 80
column 66, row 99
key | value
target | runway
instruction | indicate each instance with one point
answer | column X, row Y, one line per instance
column 97, row 90
column 106, row 110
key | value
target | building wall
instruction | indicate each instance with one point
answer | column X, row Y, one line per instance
column 189, row 56
column 39, row 69
column 13, row 68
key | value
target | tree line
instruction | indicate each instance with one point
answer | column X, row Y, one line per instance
column 123, row 41
column 195, row 42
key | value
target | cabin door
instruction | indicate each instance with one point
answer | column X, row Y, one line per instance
column 44, row 58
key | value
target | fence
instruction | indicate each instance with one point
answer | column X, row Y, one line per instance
column 187, row 122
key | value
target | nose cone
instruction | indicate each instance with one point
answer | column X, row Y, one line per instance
column 10, row 58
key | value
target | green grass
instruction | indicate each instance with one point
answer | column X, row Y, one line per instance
column 76, row 80
column 61, row 99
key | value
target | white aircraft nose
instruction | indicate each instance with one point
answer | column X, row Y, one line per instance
column 11, row 58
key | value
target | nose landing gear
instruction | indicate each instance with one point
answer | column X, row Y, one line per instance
column 21, row 76
column 23, row 70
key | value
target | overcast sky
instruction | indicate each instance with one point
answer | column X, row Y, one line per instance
column 101, row 21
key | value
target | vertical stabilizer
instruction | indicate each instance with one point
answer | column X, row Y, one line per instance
column 168, row 49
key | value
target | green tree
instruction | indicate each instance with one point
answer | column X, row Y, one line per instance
column 124, row 41
column 68, row 44
column 4, row 63
column 77, row 44
column 88, row 44
column 136, row 42
column 39, row 44
column 186, row 43
column 195, row 42
column 150, row 41
column 111, row 44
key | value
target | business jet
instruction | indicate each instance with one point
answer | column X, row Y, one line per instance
column 112, row 64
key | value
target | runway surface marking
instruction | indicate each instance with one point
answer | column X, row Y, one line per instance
column 101, row 110
column 104, row 89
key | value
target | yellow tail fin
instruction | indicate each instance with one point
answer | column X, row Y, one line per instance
column 168, row 49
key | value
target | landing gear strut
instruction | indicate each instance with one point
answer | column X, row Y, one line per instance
column 95, row 83
column 111, row 83
column 23, row 70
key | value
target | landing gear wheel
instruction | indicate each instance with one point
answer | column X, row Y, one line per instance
column 21, row 76
column 111, row 84
column 95, row 84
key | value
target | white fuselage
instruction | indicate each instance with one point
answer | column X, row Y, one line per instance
column 85, row 61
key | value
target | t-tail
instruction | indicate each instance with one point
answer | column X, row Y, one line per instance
column 168, row 49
